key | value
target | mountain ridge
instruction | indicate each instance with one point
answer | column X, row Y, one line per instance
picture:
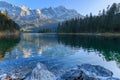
column 29, row 18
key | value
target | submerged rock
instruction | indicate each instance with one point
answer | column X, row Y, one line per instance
column 7, row 77
column 88, row 72
column 3, row 77
column 75, row 74
column 80, row 72
column 95, row 70
column 112, row 78
column 41, row 73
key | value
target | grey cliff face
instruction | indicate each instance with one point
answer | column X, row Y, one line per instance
column 34, row 19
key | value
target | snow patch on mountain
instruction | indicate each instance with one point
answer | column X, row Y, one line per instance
column 60, row 13
column 27, row 17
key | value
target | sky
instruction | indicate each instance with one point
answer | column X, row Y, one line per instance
column 82, row 6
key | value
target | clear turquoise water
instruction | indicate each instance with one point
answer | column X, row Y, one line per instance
column 59, row 53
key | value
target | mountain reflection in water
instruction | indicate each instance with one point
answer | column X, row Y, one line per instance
column 60, row 52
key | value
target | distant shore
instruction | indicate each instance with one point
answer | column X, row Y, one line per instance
column 7, row 33
column 96, row 34
column 91, row 34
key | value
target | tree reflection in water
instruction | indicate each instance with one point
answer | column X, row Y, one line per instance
column 108, row 46
column 7, row 43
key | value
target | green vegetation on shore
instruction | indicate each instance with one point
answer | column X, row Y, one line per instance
column 46, row 30
column 7, row 24
column 107, row 21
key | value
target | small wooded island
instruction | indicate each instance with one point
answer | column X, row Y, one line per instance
column 7, row 25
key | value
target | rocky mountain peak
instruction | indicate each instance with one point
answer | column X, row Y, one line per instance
column 61, row 7
column 26, row 16
column 24, row 8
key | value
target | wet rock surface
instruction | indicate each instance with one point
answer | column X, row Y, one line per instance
column 12, row 77
column 88, row 72
column 41, row 73
column 80, row 72
column 95, row 70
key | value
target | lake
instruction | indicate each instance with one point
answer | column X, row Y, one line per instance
column 19, row 55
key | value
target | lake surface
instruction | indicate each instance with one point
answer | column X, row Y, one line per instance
column 19, row 55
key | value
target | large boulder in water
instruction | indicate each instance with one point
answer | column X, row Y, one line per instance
column 41, row 73
column 95, row 70
column 80, row 72
column 88, row 72
column 76, row 74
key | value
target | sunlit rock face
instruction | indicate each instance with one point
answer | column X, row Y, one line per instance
column 41, row 73
column 33, row 19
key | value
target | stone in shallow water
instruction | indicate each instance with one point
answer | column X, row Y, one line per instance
column 7, row 77
column 96, row 70
column 83, row 72
column 3, row 77
column 112, row 78
column 88, row 72
column 76, row 74
column 41, row 73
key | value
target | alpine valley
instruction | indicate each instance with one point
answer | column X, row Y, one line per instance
column 32, row 20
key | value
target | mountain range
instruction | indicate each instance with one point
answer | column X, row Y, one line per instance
column 34, row 19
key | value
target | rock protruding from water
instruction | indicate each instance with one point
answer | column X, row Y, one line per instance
column 7, row 77
column 95, row 70
column 41, row 73
column 88, row 72
column 80, row 72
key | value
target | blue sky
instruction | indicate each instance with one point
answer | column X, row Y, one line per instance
column 82, row 6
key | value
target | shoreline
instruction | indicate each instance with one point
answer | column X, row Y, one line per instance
column 8, row 33
column 89, row 34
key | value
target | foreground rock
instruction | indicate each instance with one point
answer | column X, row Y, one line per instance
column 41, row 73
column 95, row 70
column 80, row 72
column 88, row 72
column 7, row 77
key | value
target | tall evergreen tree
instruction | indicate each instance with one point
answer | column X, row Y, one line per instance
column 7, row 24
column 106, row 21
